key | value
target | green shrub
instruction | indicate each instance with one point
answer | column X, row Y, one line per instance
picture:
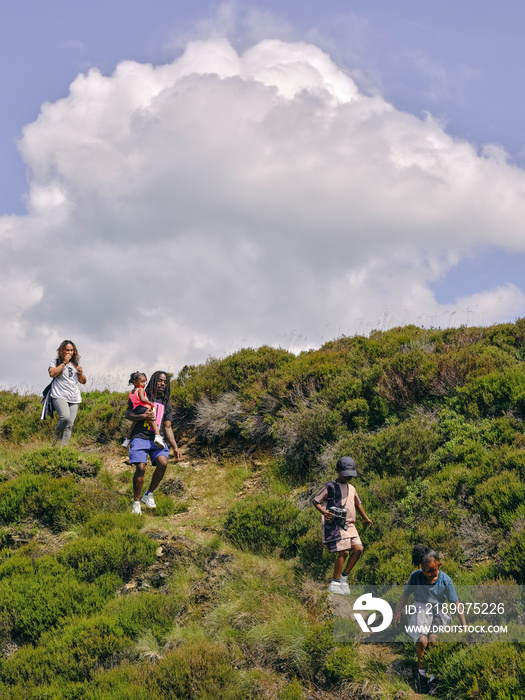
column 130, row 613
column 505, row 431
column 415, row 505
column 238, row 373
column 100, row 417
column 20, row 418
column 57, row 462
column 342, row 664
column 513, row 557
column 408, row 377
column 79, row 650
column 292, row 691
column 439, row 536
column 509, row 459
column 104, row 523
column 311, row 551
column 262, row 524
column 494, row 394
column 470, row 454
column 387, row 561
column 455, row 482
column 301, row 434
column 355, row 413
column 500, row 499
column 128, row 681
column 35, row 693
column 484, row 672
column 120, row 552
column 330, row 663
column 387, row 490
column 35, row 603
column 201, row 670
column 73, row 654
column 56, row 501
column 404, row 448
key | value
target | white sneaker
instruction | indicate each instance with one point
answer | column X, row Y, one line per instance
column 148, row 500
column 135, row 508
column 159, row 441
column 345, row 588
column 126, row 443
column 335, row 587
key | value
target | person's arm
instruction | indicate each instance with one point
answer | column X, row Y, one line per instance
column 323, row 510
column 366, row 520
column 461, row 614
column 170, row 437
column 319, row 501
column 137, row 417
column 55, row 371
column 81, row 376
column 402, row 603
column 452, row 597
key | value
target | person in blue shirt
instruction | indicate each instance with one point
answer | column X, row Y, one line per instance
column 431, row 588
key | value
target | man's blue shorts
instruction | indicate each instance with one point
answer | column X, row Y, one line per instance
column 140, row 448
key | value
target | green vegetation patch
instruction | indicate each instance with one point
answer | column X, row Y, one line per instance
column 57, row 462
column 119, row 552
column 486, row 671
column 57, row 502
column 262, row 524
column 37, row 595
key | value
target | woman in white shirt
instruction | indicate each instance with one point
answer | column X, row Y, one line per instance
column 67, row 374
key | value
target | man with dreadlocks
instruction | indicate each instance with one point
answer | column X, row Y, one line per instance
column 142, row 439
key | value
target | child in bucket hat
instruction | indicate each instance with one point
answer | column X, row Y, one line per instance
column 338, row 502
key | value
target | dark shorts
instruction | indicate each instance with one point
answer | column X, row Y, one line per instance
column 140, row 448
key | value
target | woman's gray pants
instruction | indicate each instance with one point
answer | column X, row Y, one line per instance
column 67, row 412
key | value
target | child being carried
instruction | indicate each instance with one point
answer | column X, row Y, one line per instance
column 139, row 399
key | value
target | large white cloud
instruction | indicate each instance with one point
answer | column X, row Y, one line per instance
column 227, row 200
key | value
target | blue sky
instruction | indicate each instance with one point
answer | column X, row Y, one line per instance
column 259, row 267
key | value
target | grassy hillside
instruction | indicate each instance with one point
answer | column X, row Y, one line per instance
column 222, row 591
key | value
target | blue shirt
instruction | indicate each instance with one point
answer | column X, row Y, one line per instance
column 442, row 589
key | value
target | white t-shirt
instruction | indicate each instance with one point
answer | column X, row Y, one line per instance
column 65, row 385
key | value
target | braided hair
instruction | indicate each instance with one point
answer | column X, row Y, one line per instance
column 151, row 389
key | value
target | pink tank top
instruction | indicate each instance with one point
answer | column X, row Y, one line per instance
column 135, row 400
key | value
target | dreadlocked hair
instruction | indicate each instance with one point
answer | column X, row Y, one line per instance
column 135, row 375
column 422, row 555
column 151, row 389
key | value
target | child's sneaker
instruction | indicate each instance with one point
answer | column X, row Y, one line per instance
column 148, row 500
column 135, row 508
column 159, row 441
column 126, row 443
column 335, row 587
